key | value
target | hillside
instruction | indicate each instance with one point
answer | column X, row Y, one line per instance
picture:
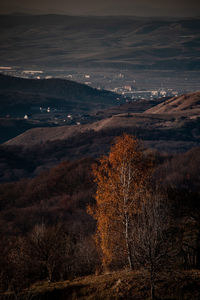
column 53, row 41
column 12, row 127
column 18, row 95
column 63, row 193
column 186, row 105
column 41, row 148
column 134, row 122
column 115, row 285
column 159, row 118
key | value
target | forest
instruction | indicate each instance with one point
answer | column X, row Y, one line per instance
column 128, row 210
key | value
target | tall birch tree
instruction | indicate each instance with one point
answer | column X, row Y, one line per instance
column 119, row 177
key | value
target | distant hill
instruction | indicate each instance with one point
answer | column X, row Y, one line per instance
column 11, row 127
column 18, row 94
column 186, row 105
column 55, row 41
column 66, row 89
column 160, row 117
column 20, row 97
column 124, row 121
column 41, row 148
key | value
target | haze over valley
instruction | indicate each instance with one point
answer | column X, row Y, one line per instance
column 105, row 52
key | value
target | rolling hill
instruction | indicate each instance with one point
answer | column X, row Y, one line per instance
column 172, row 114
column 41, row 148
column 185, row 105
column 31, row 97
column 22, row 95
column 55, row 41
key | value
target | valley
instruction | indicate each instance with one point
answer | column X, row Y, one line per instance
column 105, row 52
column 99, row 150
column 171, row 126
column 99, row 157
column 47, row 185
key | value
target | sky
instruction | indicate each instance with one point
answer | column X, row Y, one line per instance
column 173, row 8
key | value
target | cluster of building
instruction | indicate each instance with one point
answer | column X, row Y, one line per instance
column 135, row 94
column 54, row 116
column 124, row 84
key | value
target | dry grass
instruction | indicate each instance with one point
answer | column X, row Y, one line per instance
column 116, row 285
column 186, row 105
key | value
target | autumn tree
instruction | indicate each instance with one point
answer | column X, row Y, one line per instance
column 119, row 177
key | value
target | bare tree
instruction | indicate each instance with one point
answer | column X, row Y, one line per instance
column 149, row 233
column 48, row 246
column 190, row 240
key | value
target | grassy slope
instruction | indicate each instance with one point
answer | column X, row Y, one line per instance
column 116, row 285
column 185, row 104
column 168, row 115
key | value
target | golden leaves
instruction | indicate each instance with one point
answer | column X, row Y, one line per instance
column 119, row 177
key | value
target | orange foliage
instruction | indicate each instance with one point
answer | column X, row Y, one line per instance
column 119, row 177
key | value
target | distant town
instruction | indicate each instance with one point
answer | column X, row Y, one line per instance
column 133, row 85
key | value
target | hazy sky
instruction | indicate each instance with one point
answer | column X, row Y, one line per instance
column 186, row 8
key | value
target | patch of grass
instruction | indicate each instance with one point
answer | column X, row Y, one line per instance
column 184, row 285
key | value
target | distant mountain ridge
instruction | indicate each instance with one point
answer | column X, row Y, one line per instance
column 50, row 41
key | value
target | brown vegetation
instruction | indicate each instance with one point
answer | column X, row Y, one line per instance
column 119, row 178
column 46, row 233
column 118, row 285
column 130, row 213
column 186, row 104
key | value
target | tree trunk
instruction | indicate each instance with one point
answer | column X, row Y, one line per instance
column 152, row 279
column 128, row 246
column 198, row 250
column 152, row 291
column 50, row 272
